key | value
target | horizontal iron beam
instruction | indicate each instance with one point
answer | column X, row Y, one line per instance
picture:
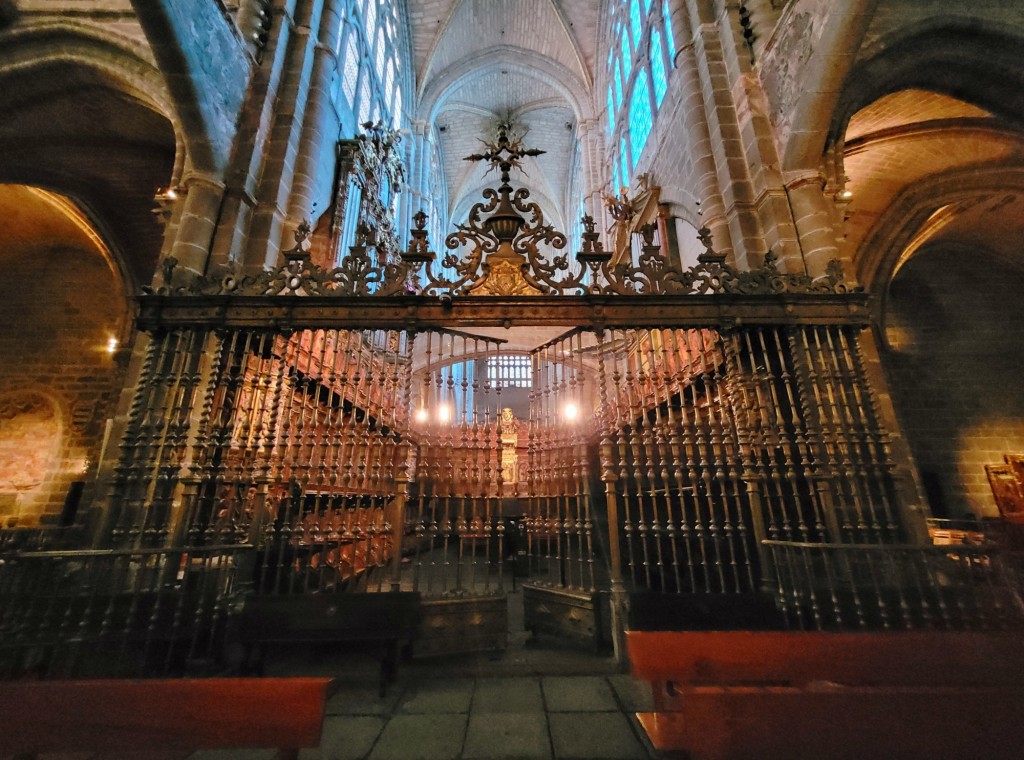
column 421, row 313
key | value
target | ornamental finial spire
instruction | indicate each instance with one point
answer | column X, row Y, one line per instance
column 505, row 152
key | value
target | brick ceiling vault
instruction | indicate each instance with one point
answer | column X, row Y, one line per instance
column 482, row 61
column 904, row 146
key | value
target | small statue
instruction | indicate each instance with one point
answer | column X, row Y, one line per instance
column 509, row 423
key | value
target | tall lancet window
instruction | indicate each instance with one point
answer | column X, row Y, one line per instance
column 373, row 62
column 372, row 83
column 640, row 48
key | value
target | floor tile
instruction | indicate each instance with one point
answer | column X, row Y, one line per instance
column 578, row 694
column 346, row 738
column 421, row 737
column 362, row 700
column 444, row 696
column 594, row 736
column 507, row 736
column 507, row 695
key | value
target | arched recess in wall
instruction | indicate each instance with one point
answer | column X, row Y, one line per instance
column 85, row 144
column 945, row 270
column 85, row 114
column 954, row 58
column 929, row 147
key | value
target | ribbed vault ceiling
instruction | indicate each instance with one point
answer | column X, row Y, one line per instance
column 481, row 61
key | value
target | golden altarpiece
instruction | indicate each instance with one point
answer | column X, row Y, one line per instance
column 622, row 437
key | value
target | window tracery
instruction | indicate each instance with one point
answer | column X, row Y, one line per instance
column 372, row 62
column 640, row 49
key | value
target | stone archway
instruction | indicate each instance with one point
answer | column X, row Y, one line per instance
column 65, row 313
column 952, row 319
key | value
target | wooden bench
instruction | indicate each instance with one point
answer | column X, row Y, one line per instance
column 753, row 694
column 161, row 715
column 386, row 621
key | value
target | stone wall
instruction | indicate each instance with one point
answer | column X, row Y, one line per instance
column 58, row 381
column 954, row 322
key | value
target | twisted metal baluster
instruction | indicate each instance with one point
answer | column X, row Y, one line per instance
column 808, row 453
column 737, row 388
column 674, row 390
column 657, row 472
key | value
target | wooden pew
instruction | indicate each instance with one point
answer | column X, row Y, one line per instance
column 731, row 695
column 385, row 621
column 161, row 715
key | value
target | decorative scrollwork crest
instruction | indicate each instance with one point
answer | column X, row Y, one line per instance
column 503, row 248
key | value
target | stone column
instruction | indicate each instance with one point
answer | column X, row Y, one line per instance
column 813, row 219
column 417, row 178
column 698, row 130
column 274, row 193
column 319, row 125
column 591, row 137
column 198, row 220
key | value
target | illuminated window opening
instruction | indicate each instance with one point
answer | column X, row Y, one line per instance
column 510, row 371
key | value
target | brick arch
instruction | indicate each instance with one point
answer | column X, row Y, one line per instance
column 900, row 227
column 970, row 60
column 953, row 364
column 124, row 62
column 111, row 170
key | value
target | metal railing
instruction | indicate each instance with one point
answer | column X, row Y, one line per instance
column 115, row 613
column 867, row 586
column 40, row 538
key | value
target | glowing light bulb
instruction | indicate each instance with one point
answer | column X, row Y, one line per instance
column 421, row 415
column 571, row 411
column 444, row 413
column 112, row 344
column 846, row 195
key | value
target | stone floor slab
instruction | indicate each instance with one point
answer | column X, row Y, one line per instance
column 234, row 754
column 421, row 737
column 634, row 695
column 362, row 700
column 346, row 737
column 578, row 694
column 507, row 736
column 444, row 696
column 507, row 695
column 594, row 736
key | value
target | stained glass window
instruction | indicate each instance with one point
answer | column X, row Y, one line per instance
column 657, row 67
column 351, row 74
column 371, row 62
column 618, row 86
column 396, row 110
column 371, row 18
column 637, row 79
column 639, row 116
column 635, row 22
column 668, row 30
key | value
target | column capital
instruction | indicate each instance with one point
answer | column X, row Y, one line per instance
column 195, row 178
column 800, row 177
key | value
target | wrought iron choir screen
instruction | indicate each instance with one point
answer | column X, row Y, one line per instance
column 632, row 431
